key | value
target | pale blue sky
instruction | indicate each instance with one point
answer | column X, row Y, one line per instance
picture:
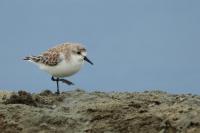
column 135, row 45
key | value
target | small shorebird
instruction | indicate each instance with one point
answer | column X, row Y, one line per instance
column 61, row 61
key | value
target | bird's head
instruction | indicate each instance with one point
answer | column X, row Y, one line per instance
column 78, row 51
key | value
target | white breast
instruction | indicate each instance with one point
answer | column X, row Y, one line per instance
column 64, row 69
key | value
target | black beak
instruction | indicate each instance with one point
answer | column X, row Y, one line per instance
column 86, row 59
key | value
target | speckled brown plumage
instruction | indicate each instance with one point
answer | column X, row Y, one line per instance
column 53, row 56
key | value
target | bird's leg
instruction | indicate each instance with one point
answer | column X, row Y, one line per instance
column 57, row 81
column 62, row 80
column 53, row 79
column 66, row 81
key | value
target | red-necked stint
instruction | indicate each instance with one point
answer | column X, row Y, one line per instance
column 61, row 61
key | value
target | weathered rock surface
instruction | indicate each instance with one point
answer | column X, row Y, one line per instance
column 98, row 112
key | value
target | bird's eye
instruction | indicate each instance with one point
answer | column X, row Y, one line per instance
column 78, row 52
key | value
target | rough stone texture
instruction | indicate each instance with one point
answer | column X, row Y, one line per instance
column 98, row 112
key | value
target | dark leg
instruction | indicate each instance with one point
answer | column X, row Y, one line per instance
column 66, row 81
column 57, row 81
column 62, row 80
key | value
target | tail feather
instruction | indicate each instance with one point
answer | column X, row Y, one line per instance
column 26, row 58
column 32, row 58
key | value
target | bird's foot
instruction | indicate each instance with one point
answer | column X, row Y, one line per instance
column 57, row 92
column 66, row 81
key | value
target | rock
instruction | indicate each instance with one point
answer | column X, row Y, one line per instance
column 116, row 112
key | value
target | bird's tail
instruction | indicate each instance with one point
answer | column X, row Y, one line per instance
column 32, row 58
column 27, row 58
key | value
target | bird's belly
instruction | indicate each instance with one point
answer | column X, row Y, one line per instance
column 63, row 69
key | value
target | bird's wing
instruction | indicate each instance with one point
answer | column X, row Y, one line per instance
column 50, row 57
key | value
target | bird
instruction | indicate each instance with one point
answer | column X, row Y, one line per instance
column 62, row 60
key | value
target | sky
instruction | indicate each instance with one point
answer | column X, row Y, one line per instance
column 136, row 45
